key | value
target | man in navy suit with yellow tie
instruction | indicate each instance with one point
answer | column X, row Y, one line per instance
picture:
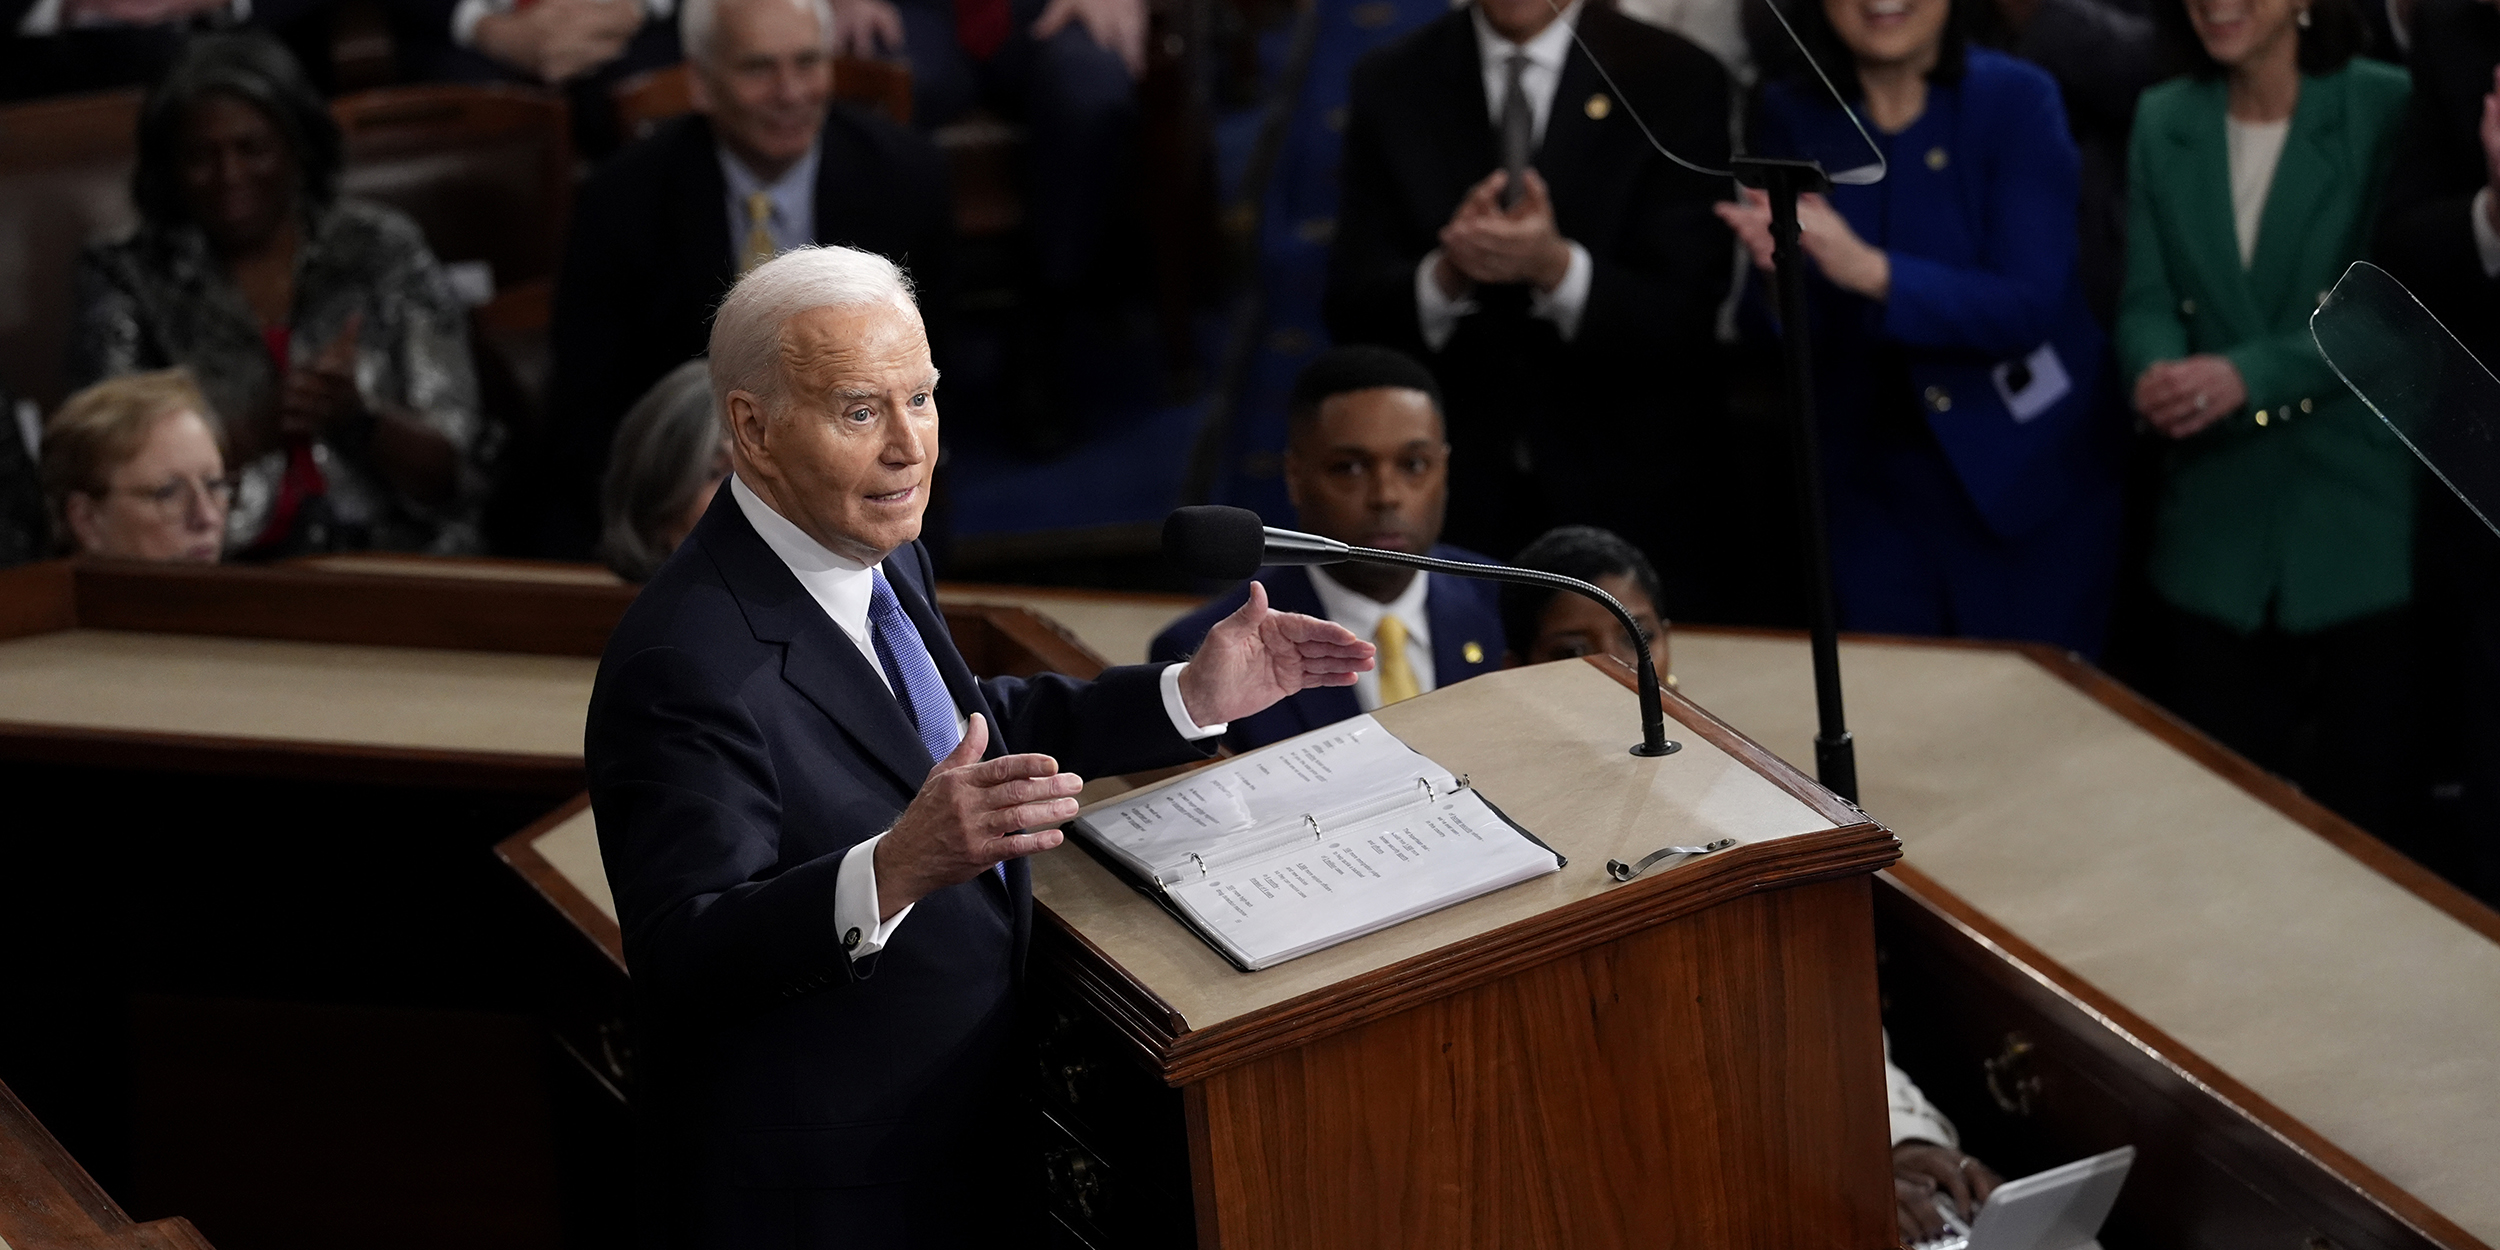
column 1367, row 462
column 812, row 825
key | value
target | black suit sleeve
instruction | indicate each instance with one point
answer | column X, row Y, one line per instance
column 1658, row 284
column 685, row 797
column 1371, row 264
column 2426, row 233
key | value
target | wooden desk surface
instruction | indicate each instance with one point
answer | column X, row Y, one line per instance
column 408, row 698
column 2327, row 988
column 1549, row 746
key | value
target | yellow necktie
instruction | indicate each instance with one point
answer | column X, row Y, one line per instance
column 1397, row 680
column 759, row 240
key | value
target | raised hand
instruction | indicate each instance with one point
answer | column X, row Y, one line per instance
column 970, row 814
column 1258, row 655
column 1118, row 25
column 866, row 28
column 322, row 392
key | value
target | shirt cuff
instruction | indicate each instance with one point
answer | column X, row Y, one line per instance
column 465, row 18
column 1179, row 711
column 862, row 931
column 1436, row 315
column 43, row 19
column 2486, row 239
column 1569, row 298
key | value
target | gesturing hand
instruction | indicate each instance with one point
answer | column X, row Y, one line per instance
column 967, row 817
column 1258, row 655
column 1823, row 234
column 1922, row 1169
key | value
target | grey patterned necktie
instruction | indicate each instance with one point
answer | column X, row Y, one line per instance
column 1518, row 130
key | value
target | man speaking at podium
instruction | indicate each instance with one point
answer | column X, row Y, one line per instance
column 808, row 811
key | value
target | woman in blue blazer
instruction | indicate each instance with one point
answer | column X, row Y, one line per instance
column 1971, row 471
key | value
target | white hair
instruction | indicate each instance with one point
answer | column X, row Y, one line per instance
column 698, row 25
column 746, row 332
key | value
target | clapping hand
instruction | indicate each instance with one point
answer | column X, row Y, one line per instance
column 322, row 393
column 1823, row 234
column 1485, row 242
column 866, row 28
column 1258, row 655
column 556, row 41
column 971, row 813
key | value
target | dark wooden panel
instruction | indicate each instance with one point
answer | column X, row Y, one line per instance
column 1705, row 1082
column 37, row 599
column 2036, row 1071
column 47, row 1201
column 385, row 610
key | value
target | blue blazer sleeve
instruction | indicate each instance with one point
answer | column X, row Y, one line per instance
column 2023, row 201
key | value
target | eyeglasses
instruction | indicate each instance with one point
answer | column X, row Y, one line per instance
column 173, row 500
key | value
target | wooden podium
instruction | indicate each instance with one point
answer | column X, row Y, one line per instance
column 1690, row 1059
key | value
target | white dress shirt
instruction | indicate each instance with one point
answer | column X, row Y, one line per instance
column 792, row 222
column 1361, row 613
column 2252, row 150
column 842, row 587
column 1436, row 314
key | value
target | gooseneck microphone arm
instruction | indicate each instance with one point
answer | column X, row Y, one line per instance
column 1653, row 710
column 1233, row 543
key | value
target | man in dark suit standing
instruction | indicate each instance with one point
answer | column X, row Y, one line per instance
column 1504, row 219
column 1367, row 463
column 812, row 827
column 662, row 230
column 2439, row 234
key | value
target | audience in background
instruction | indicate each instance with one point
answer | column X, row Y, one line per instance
column 132, row 470
column 2439, row 234
column 586, row 47
column 660, row 232
column 2283, row 538
column 1067, row 70
column 1543, row 624
column 668, row 462
column 321, row 329
column 1972, row 489
column 24, row 533
column 1568, row 315
column 2103, row 54
column 1366, row 462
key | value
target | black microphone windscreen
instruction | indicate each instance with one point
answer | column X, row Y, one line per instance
column 1213, row 541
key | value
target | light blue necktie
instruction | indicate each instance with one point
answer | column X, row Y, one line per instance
column 913, row 675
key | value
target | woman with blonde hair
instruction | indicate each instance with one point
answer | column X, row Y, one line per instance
column 133, row 469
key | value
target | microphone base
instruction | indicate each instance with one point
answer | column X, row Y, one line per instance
column 1646, row 751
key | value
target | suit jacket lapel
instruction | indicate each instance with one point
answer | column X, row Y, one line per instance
column 1469, row 149
column 1453, row 630
column 2308, row 166
column 2204, row 204
column 1571, row 137
column 818, row 659
column 702, row 206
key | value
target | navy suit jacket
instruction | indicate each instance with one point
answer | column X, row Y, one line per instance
column 1464, row 613
column 1977, row 215
column 738, row 744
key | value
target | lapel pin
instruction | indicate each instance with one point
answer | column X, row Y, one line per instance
column 1598, row 106
column 1935, row 158
column 1474, row 652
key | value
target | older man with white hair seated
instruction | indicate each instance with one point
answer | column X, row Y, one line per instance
column 815, row 819
column 766, row 163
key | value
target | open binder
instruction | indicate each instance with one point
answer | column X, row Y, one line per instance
column 1310, row 842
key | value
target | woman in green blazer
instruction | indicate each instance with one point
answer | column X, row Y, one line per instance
column 2284, row 532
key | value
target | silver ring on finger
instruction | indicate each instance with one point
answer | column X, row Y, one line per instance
column 2200, row 401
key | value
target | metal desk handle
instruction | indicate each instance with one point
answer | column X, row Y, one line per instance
column 1621, row 871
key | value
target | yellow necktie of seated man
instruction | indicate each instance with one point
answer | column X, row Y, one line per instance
column 759, row 240
column 1397, row 678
